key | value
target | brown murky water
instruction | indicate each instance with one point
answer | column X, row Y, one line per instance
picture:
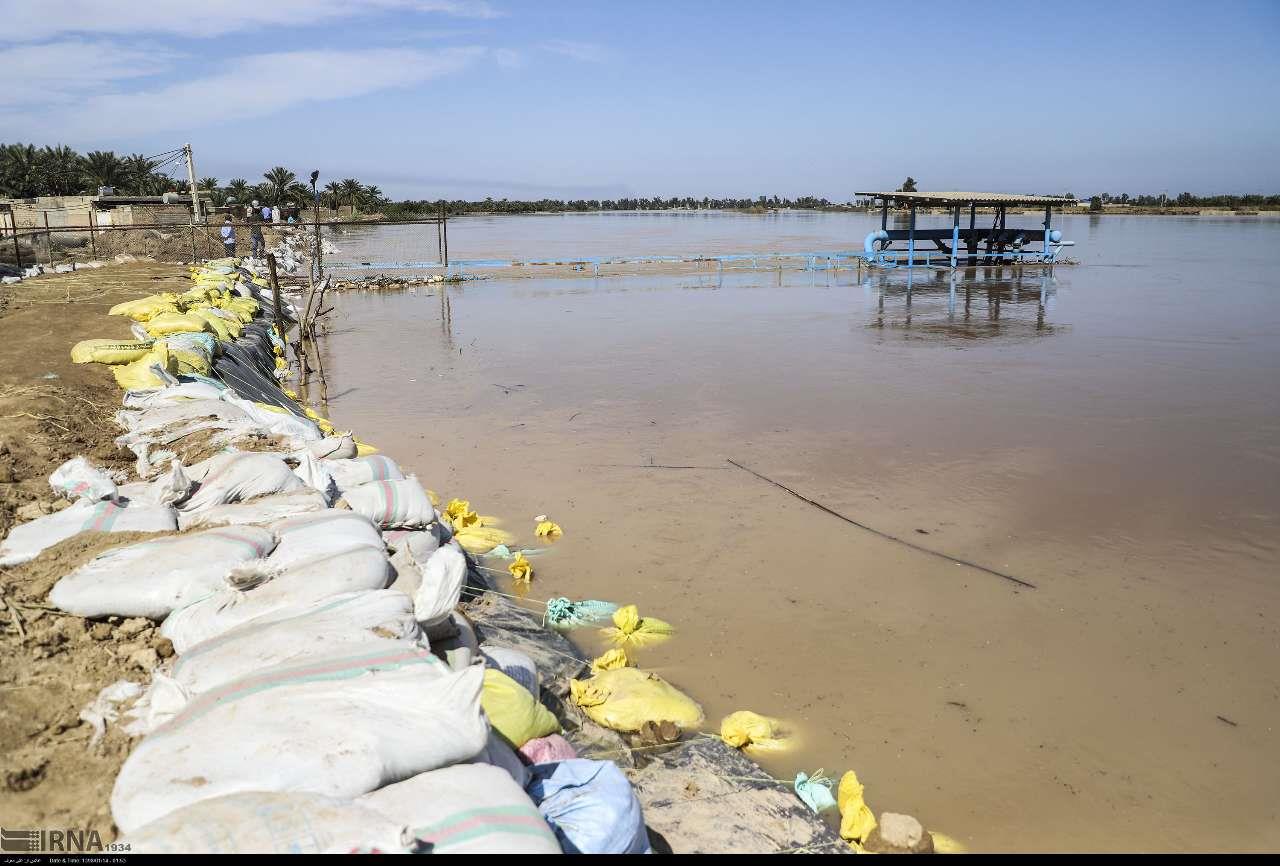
column 1110, row 433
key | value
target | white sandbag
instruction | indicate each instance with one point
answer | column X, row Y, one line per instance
column 170, row 488
column 25, row 541
column 241, row 476
column 400, row 504
column 264, row 822
column 338, row 726
column 497, row 753
column 163, row 414
column 314, row 475
column 443, row 575
column 280, row 423
column 153, row 578
column 160, row 703
column 466, row 809
column 275, row 593
column 420, row 542
column 347, row 624
column 362, row 470
column 514, row 664
column 454, row 640
column 184, row 391
column 311, row 535
column 78, row 479
column 333, row 448
column 264, row 509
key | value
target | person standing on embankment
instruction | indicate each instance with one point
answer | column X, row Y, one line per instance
column 229, row 237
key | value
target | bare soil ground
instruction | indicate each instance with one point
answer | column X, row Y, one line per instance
column 54, row 664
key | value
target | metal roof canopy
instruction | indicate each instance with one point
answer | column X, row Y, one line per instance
column 976, row 198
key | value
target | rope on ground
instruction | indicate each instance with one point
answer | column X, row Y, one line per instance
column 885, row 535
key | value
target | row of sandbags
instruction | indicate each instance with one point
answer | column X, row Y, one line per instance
column 326, row 693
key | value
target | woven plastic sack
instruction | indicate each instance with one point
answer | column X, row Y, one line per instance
column 153, row 578
column 515, row 714
column 591, row 807
column 397, row 504
column 340, row 726
column 25, row 541
column 466, row 809
column 625, row 698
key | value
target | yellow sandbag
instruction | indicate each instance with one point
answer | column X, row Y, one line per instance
column 521, row 569
column 745, row 728
column 625, row 698
column 856, row 818
column 944, row 844
column 163, row 324
column 548, row 529
column 610, row 660
column 629, row 628
column 364, row 449
column 109, row 351
column 513, row 711
column 323, row 423
column 139, row 376
column 482, row 539
column 220, row 328
column 145, row 309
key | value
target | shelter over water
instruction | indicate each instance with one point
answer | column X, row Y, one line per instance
column 999, row 242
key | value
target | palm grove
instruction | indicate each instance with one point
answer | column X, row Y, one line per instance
column 27, row 171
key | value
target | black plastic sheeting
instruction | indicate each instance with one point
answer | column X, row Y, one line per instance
column 247, row 365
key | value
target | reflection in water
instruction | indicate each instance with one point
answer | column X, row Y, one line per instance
column 967, row 303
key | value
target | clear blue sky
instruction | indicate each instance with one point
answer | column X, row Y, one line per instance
column 515, row 98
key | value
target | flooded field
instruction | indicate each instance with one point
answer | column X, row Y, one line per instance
column 1109, row 433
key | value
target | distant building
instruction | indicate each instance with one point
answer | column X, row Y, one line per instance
column 73, row 211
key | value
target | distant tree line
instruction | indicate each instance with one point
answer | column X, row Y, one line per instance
column 404, row 209
column 27, row 171
column 1186, row 199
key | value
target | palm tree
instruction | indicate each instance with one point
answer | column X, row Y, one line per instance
column 103, row 168
column 279, row 179
column 210, row 184
column 60, row 168
column 299, row 194
column 238, row 189
column 332, row 191
column 373, row 196
column 351, row 190
column 140, row 175
column 20, row 170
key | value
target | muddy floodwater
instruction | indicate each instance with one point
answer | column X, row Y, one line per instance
column 1109, row 433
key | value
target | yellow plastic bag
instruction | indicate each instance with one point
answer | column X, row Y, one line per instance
column 521, row 570
column 629, row 628
column 856, row 818
column 482, row 539
column 364, row 449
column 625, row 698
column 144, row 309
column 610, row 660
column 139, row 375
column 548, row 529
column 109, row 351
column 745, row 728
column 514, row 713
column 456, row 508
column 163, row 324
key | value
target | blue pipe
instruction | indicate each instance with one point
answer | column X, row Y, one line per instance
column 869, row 245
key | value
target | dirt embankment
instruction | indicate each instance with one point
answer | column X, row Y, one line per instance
column 55, row 664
